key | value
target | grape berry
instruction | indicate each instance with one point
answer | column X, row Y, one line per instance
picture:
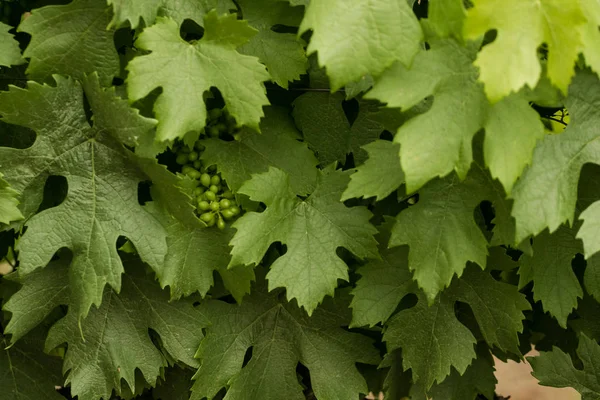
column 215, row 203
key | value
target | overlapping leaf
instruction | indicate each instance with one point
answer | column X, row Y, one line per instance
column 133, row 11
column 188, row 70
column 101, row 203
column 26, row 373
column 546, row 194
column 281, row 336
column 431, row 338
column 439, row 140
column 312, row 229
column 328, row 132
column 350, row 44
column 277, row 145
column 9, row 210
column 71, row 40
column 556, row 369
column 10, row 54
column 282, row 53
column 525, row 25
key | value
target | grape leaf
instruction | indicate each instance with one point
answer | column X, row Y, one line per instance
column 446, row 18
column 311, row 228
column 282, row 53
column 71, row 40
column 254, row 153
column 590, row 36
column 10, row 54
column 26, row 373
column 9, row 210
column 116, row 340
column 101, row 203
column 351, row 45
column 441, row 231
column 188, row 70
column 328, row 132
column 439, row 140
column 380, row 175
column 382, row 284
column 433, row 340
column 114, row 113
column 590, row 229
column 194, row 254
column 525, row 25
column 281, row 335
column 546, row 194
column 556, row 369
column 133, row 11
column 478, row 379
column 41, row 292
column 554, row 282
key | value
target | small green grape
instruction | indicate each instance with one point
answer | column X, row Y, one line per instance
column 215, row 113
column 215, row 180
column 210, row 195
column 181, row 159
column 221, row 127
column 211, row 222
column 193, row 156
column 224, row 203
column 235, row 209
column 214, row 189
column 194, row 174
column 205, row 179
column 203, row 205
column 197, row 164
column 186, row 169
column 199, row 146
column 221, row 224
column 185, row 150
column 207, row 217
column 215, row 206
column 213, row 131
column 199, row 191
column 227, row 194
column 227, row 214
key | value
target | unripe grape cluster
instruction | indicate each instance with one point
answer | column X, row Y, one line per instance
column 215, row 203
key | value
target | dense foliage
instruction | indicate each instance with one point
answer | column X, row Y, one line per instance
column 297, row 199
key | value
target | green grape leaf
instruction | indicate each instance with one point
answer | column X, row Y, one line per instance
column 382, row 284
column 433, row 340
column 71, row 40
column 546, row 194
column 590, row 36
column 512, row 132
column 459, row 111
column 282, row 53
column 590, row 229
column 114, row 339
column 254, row 153
column 591, row 276
column 281, row 336
column 9, row 210
column 446, row 18
column 441, row 231
column 503, row 70
column 550, row 268
column 41, row 292
column 194, row 254
column 556, row 369
column 113, row 113
column 380, row 175
column 328, row 132
column 311, row 228
column 478, row 379
column 10, row 54
column 353, row 89
column 188, row 70
column 28, row 373
column 350, row 45
column 133, row 11
column 101, row 203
